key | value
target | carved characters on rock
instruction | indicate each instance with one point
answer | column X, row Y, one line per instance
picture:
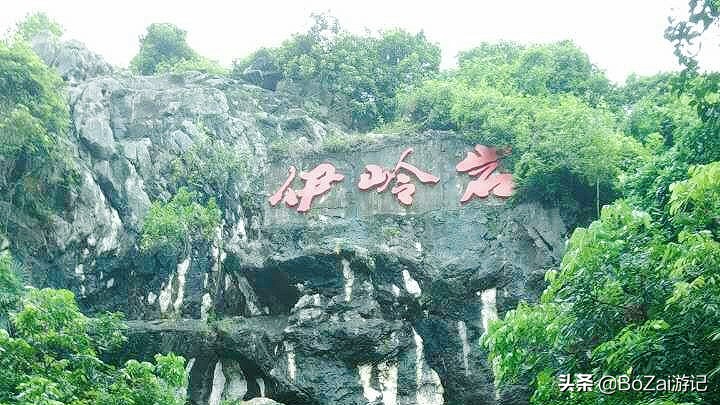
column 318, row 181
column 379, row 178
column 480, row 163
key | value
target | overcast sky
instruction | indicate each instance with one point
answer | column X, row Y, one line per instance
column 621, row 36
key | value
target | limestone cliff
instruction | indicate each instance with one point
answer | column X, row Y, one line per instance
column 359, row 301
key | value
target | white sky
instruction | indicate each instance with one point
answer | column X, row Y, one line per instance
column 621, row 36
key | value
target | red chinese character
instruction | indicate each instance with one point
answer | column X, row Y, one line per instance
column 379, row 177
column 482, row 162
column 317, row 182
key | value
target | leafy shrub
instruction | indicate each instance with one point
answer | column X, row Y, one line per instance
column 695, row 202
column 210, row 167
column 28, row 82
column 176, row 223
column 53, row 357
column 35, row 165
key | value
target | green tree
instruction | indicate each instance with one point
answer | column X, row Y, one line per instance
column 703, row 145
column 53, row 357
column 147, row 383
column 162, row 44
column 663, row 103
column 628, row 298
column 655, row 108
column 537, row 70
column 36, row 23
column 560, row 68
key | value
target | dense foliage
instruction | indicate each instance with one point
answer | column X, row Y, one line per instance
column 37, row 23
column 556, row 110
column 627, row 299
column 177, row 223
column 357, row 76
column 703, row 144
column 51, row 354
column 35, row 168
column 164, row 49
column 637, row 292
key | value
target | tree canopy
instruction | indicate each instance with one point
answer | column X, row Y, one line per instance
column 637, row 291
column 164, row 48
column 358, row 76
column 556, row 110
column 51, row 354
column 36, row 23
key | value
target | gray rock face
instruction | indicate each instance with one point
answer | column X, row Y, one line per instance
column 263, row 72
column 361, row 300
column 72, row 59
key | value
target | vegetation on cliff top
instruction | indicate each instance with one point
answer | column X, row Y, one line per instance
column 569, row 127
column 550, row 104
column 357, row 76
column 576, row 138
column 164, row 49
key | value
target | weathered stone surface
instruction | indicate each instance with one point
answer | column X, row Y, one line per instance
column 72, row 59
column 263, row 72
column 361, row 300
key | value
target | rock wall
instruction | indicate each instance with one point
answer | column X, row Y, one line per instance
column 359, row 301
